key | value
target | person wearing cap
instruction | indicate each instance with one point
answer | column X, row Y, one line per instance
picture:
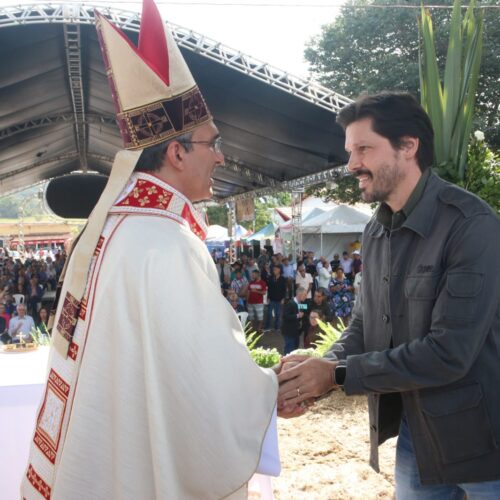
column 424, row 340
column 164, row 403
column 356, row 263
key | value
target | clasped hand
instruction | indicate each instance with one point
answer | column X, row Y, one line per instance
column 302, row 379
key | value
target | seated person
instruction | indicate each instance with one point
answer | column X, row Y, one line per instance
column 235, row 301
column 43, row 321
column 20, row 326
column 342, row 295
column 313, row 328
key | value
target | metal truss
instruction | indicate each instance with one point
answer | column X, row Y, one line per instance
column 73, row 47
column 295, row 184
column 76, row 14
column 252, row 176
column 72, row 155
column 68, row 118
column 297, row 222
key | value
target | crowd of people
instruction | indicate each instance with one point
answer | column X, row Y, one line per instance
column 268, row 288
column 23, row 284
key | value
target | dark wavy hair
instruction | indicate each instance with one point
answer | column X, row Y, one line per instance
column 394, row 115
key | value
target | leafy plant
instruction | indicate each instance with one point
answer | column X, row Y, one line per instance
column 265, row 358
column 482, row 176
column 327, row 336
column 40, row 337
column 450, row 103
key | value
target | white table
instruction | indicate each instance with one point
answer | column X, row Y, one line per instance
column 22, row 379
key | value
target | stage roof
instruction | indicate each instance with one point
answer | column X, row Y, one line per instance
column 57, row 115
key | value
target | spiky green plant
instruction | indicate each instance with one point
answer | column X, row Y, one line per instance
column 450, row 103
column 327, row 336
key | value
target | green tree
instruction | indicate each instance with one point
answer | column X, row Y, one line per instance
column 217, row 215
column 29, row 199
column 375, row 49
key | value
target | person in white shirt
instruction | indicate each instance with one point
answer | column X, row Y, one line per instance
column 324, row 273
column 303, row 279
column 21, row 324
column 346, row 265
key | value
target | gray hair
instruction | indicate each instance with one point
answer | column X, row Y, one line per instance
column 151, row 159
column 301, row 289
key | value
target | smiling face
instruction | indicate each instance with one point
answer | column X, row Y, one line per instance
column 200, row 163
column 373, row 160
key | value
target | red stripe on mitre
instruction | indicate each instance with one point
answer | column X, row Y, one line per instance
column 153, row 42
column 132, row 46
column 195, row 227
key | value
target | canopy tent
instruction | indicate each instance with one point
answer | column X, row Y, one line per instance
column 278, row 130
column 287, row 226
column 220, row 234
column 333, row 231
column 342, row 219
column 265, row 233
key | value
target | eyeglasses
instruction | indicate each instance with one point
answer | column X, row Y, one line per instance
column 215, row 144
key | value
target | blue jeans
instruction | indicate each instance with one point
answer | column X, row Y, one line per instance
column 276, row 308
column 291, row 343
column 408, row 485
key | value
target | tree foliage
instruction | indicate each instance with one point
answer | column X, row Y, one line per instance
column 375, row 49
column 28, row 199
column 263, row 210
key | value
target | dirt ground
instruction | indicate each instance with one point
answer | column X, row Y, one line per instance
column 324, row 453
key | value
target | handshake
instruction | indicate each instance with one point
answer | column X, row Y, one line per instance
column 302, row 379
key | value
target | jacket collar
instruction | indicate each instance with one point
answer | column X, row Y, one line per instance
column 421, row 217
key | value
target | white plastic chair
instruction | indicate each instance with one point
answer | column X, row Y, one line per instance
column 19, row 298
column 242, row 316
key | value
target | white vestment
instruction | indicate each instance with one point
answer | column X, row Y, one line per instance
column 167, row 403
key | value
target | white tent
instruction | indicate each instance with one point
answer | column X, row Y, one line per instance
column 334, row 231
column 219, row 234
column 338, row 220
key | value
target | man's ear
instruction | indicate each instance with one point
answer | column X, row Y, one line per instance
column 409, row 146
column 174, row 155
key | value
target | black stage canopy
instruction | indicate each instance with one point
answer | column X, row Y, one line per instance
column 57, row 116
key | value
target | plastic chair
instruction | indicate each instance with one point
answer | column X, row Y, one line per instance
column 242, row 316
column 19, row 298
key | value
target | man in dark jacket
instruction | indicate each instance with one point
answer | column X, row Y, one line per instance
column 293, row 312
column 424, row 340
column 276, row 293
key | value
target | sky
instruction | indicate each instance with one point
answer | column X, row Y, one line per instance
column 276, row 34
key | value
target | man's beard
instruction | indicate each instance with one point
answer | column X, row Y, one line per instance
column 383, row 182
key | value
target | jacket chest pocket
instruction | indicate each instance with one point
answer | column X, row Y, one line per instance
column 420, row 294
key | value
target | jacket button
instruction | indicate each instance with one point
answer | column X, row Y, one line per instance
column 385, row 279
column 385, row 318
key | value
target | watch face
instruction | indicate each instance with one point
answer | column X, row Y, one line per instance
column 340, row 373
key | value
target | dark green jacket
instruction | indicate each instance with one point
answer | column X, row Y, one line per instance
column 425, row 336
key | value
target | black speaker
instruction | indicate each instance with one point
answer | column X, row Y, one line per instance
column 74, row 196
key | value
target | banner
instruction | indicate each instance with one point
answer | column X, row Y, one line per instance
column 245, row 210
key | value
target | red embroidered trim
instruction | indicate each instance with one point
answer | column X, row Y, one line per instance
column 69, row 314
column 47, row 440
column 147, row 195
column 83, row 309
column 195, row 227
column 73, row 351
column 100, row 243
column 38, row 483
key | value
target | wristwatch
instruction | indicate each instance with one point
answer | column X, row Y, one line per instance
column 339, row 373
